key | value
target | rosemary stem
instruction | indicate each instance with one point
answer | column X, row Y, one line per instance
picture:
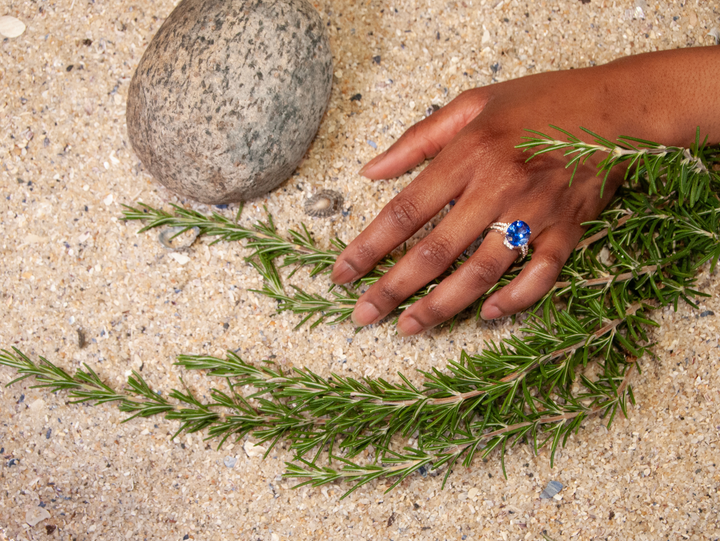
column 608, row 279
column 602, row 234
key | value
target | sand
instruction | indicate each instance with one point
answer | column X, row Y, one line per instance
column 68, row 262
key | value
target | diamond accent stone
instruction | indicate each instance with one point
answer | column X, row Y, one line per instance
column 518, row 233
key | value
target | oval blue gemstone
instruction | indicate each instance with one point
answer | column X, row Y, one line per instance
column 518, row 233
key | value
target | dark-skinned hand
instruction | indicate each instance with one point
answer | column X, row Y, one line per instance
column 473, row 141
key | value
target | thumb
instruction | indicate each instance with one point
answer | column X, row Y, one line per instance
column 426, row 138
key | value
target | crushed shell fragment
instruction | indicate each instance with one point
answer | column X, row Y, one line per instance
column 552, row 488
column 178, row 238
column 10, row 27
column 715, row 34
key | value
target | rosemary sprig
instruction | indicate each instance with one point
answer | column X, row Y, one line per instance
column 658, row 235
column 298, row 248
column 552, row 421
column 314, row 413
column 666, row 169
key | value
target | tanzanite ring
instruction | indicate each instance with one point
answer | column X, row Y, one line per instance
column 517, row 235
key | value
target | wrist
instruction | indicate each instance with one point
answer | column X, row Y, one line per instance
column 665, row 96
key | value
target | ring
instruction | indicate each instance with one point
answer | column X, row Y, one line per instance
column 517, row 235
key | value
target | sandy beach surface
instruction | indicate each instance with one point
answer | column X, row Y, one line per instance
column 69, row 265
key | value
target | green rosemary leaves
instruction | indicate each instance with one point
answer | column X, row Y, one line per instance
column 644, row 251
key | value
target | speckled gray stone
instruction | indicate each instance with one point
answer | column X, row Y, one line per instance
column 229, row 95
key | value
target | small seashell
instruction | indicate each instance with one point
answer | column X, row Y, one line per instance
column 10, row 27
column 324, row 203
column 182, row 241
column 35, row 515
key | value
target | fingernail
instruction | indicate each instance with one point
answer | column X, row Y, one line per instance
column 343, row 273
column 490, row 311
column 408, row 326
column 365, row 313
column 372, row 163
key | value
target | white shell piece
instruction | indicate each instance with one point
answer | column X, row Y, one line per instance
column 10, row 27
column 715, row 34
column 182, row 259
column 252, row 450
column 35, row 514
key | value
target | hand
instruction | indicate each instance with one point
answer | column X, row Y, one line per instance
column 476, row 163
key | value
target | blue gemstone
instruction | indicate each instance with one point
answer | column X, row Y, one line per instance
column 518, row 233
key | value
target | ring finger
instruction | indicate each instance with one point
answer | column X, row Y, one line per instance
column 550, row 252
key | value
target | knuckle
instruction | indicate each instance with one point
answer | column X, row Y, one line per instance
column 472, row 102
column 539, row 169
column 580, row 210
column 485, row 271
column 404, row 214
column 390, row 294
column 487, row 147
column 361, row 257
column 366, row 254
column 554, row 261
column 573, row 210
column 412, row 132
column 438, row 312
column 466, row 97
column 435, row 252
column 430, row 146
column 419, row 133
column 550, row 263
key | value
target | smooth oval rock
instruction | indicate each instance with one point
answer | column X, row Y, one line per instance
column 229, row 95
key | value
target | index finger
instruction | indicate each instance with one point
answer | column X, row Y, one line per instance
column 428, row 137
column 399, row 220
